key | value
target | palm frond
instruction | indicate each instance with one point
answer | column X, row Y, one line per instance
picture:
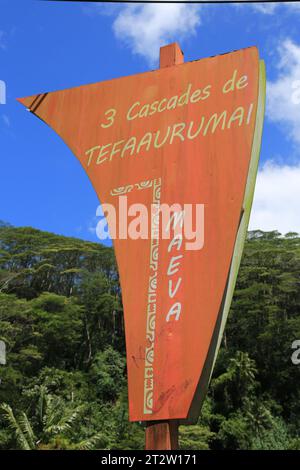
column 65, row 423
column 27, row 430
column 42, row 403
column 15, row 427
column 90, row 443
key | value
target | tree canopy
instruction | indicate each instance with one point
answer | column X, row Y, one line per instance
column 64, row 383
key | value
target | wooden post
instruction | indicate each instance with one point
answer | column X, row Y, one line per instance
column 170, row 55
column 163, row 435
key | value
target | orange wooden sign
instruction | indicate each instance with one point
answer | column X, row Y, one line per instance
column 185, row 134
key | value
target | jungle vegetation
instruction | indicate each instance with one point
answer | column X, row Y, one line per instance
column 64, row 383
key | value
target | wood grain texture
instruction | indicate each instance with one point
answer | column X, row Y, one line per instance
column 162, row 435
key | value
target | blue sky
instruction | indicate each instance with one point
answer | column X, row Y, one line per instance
column 46, row 46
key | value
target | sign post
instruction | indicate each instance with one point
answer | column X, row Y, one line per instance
column 179, row 145
column 163, row 435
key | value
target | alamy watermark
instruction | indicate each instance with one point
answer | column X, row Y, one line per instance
column 295, row 358
column 296, row 92
column 2, row 353
column 160, row 221
column 2, row 92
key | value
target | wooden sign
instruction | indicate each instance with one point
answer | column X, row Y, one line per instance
column 187, row 134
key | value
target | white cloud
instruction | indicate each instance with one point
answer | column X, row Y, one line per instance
column 146, row 27
column 276, row 200
column 293, row 6
column 267, row 8
column 271, row 8
column 283, row 106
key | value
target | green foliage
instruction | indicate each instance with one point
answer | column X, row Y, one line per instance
column 64, row 384
column 196, row 437
column 52, row 425
column 107, row 373
column 275, row 437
